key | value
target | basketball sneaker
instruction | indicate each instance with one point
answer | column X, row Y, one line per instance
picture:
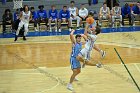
column 69, row 86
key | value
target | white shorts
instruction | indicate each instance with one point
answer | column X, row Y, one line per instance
column 75, row 18
column 23, row 23
column 85, row 53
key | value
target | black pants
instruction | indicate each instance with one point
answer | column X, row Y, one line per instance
column 129, row 16
column 42, row 21
column 4, row 25
column 35, row 22
column 16, row 23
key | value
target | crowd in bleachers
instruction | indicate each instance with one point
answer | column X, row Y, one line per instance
column 66, row 15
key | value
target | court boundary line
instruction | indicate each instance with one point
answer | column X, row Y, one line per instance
column 127, row 69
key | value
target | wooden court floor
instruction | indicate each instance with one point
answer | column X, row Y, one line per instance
column 42, row 66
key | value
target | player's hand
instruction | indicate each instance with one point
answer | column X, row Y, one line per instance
column 72, row 30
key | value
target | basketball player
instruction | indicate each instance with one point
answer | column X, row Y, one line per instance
column 75, row 64
column 116, row 14
column 104, row 14
column 91, row 32
column 25, row 17
column 74, row 14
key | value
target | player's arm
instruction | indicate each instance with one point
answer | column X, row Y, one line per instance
column 85, row 38
column 72, row 36
column 86, row 30
column 108, row 11
column 30, row 17
column 77, row 11
column 100, row 13
column 20, row 16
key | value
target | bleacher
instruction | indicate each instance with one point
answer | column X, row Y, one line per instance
column 59, row 3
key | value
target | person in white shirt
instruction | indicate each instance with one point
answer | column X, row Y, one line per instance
column 83, row 13
column 25, row 17
column 116, row 14
column 74, row 14
column 104, row 14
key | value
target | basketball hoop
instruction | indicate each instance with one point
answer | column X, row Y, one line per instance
column 17, row 4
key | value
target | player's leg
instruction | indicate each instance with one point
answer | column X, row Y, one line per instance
column 102, row 53
column 84, row 57
column 71, row 21
column 109, row 19
column 78, row 21
column 120, row 17
column 113, row 20
column 100, row 20
column 19, row 27
column 55, row 24
column 26, row 29
column 50, row 20
column 59, row 24
column 75, row 66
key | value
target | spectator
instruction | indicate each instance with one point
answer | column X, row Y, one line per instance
column 16, row 15
column 126, row 13
column 83, row 13
column 53, row 17
column 64, row 16
column 7, row 19
column 135, row 12
column 104, row 14
column 34, row 18
column 74, row 14
column 116, row 14
column 42, row 15
column 16, row 19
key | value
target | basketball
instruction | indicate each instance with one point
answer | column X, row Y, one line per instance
column 90, row 20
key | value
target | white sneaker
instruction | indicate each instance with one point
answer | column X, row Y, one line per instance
column 100, row 24
column 113, row 26
column 70, row 29
column 59, row 30
column 36, row 29
column 121, row 25
column 55, row 29
column 50, row 29
column 103, row 53
column 134, row 24
column 99, row 65
column 69, row 86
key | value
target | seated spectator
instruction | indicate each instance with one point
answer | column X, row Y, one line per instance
column 83, row 13
column 7, row 19
column 16, row 15
column 16, row 19
column 64, row 16
column 126, row 13
column 74, row 14
column 104, row 14
column 34, row 18
column 53, row 17
column 116, row 14
column 135, row 12
column 42, row 15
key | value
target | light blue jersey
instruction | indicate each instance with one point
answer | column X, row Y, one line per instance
column 76, row 48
